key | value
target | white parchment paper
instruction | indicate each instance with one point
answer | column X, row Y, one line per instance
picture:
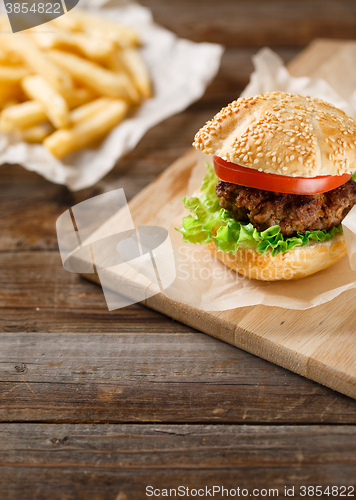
column 180, row 70
column 205, row 283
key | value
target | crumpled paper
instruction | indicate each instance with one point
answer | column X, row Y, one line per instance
column 207, row 284
column 270, row 75
column 180, row 71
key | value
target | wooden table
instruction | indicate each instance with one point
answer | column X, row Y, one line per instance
column 99, row 405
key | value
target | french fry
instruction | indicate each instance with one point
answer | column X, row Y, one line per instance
column 101, row 80
column 86, row 111
column 9, row 58
column 67, row 22
column 38, row 61
column 10, row 74
column 32, row 113
column 24, row 115
column 9, row 103
column 9, row 92
column 90, row 47
column 138, row 71
column 3, row 56
column 124, row 36
column 85, row 132
column 36, row 134
column 79, row 96
column 56, row 108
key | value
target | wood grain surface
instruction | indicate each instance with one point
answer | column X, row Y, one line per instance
column 153, row 377
column 256, row 22
column 278, row 427
column 76, row 461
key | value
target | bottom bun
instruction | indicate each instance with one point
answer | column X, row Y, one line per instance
column 292, row 265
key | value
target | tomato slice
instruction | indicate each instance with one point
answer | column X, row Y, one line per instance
column 236, row 174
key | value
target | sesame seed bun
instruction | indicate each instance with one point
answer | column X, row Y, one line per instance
column 284, row 134
column 295, row 264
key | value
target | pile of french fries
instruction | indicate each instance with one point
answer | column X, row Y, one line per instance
column 67, row 83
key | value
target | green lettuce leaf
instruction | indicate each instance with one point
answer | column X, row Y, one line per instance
column 210, row 222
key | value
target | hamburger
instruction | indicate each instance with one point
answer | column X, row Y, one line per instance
column 271, row 205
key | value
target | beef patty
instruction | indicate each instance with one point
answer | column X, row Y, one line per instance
column 292, row 212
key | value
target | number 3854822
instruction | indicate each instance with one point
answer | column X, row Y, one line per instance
column 40, row 8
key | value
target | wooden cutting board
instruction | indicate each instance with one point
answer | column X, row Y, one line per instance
column 318, row 343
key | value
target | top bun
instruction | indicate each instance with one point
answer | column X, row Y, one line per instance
column 284, row 134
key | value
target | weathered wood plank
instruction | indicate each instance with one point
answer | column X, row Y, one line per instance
column 39, row 295
column 133, row 376
column 119, row 461
column 257, row 22
column 153, row 378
